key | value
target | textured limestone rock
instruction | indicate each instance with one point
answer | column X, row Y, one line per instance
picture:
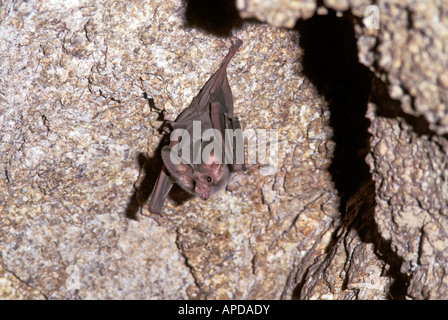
column 403, row 43
column 411, row 173
column 412, row 51
column 82, row 89
column 73, row 120
column 278, row 13
column 408, row 113
column 416, row 76
column 407, row 159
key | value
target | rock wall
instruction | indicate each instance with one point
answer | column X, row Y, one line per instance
column 354, row 208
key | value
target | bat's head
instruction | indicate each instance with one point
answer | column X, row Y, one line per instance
column 210, row 178
column 202, row 180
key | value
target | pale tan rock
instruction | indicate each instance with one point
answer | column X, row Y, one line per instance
column 411, row 207
column 75, row 82
column 278, row 13
column 407, row 157
column 411, row 53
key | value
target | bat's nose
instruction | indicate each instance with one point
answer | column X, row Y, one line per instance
column 205, row 196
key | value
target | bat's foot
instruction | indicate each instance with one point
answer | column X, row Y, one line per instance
column 237, row 44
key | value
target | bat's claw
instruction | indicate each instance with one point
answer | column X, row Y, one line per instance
column 237, row 43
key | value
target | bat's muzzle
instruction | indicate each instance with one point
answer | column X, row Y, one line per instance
column 204, row 196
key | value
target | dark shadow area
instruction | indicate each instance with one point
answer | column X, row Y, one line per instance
column 218, row 17
column 149, row 171
column 331, row 63
column 143, row 190
column 393, row 110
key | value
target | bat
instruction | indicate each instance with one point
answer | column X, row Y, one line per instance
column 203, row 126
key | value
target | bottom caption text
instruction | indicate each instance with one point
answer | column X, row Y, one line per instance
column 231, row 309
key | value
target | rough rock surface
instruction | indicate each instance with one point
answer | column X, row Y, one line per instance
column 82, row 88
column 417, row 76
column 409, row 147
column 355, row 207
column 278, row 13
column 404, row 44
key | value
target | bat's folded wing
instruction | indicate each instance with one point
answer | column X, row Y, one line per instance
column 160, row 192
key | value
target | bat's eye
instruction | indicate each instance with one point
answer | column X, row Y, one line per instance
column 209, row 179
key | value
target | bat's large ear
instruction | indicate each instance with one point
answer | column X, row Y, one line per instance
column 182, row 173
column 215, row 170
